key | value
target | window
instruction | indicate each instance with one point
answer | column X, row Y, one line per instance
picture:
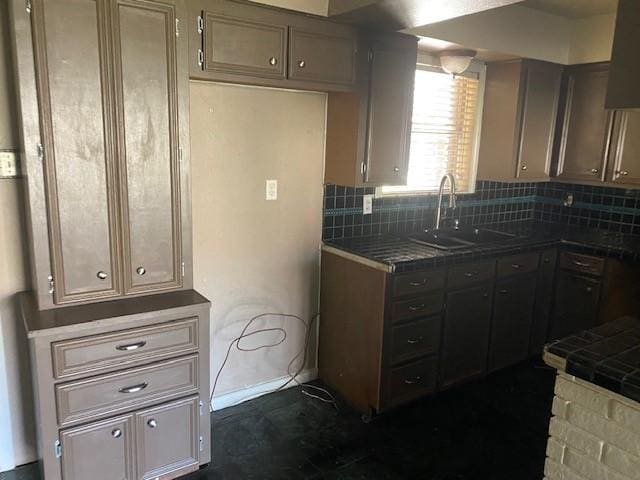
column 444, row 131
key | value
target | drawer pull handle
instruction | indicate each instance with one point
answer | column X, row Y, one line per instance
column 581, row 264
column 131, row 346
column 470, row 274
column 504, row 291
column 414, row 341
column 516, row 266
column 152, row 423
column 134, row 388
column 412, row 381
column 116, row 433
column 415, row 308
column 418, row 284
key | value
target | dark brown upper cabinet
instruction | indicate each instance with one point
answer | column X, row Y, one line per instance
column 519, row 119
column 369, row 130
column 586, row 130
column 112, row 85
column 242, row 43
column 625, row 149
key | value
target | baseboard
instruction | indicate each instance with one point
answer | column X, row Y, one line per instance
column 236, row 397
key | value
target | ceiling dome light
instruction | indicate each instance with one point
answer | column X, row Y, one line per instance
column 456, row 62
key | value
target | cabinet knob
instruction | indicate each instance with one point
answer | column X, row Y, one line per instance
column 302, row 64
column 273, row 61
column 594, row 171
column 101, row 275
column 396, row 169
column 152, row 423
column 622, row 173
column 141, row 271
column 589, row 289
column 524, row 168
column 116, row 433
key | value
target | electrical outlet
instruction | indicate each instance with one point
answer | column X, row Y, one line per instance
column 367, row 204
column 9, row 167
column 272, row 190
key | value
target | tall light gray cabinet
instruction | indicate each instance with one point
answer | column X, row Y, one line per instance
column 119, row 340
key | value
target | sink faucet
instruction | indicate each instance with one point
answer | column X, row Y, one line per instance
column 452, row 196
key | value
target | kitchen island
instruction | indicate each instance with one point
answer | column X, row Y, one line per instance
column 595, row 429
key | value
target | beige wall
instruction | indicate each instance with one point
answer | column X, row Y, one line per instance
column 17, row 445
column 317, row 7
column 251, row 255
column 592, row 39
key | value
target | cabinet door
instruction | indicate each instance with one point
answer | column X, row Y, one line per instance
column 237, row 45
column 99, row 451
column 539, row 111
column 147, row 98
column 466, row 334
column 73, row 86
column 587, row 125
column 393, row 69
column 577, row 304
column 325, row 55
column 167, row 439
column 626, row 164
column 544, row 301
column 511, row 323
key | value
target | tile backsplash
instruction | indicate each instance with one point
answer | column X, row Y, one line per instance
column 493, row 204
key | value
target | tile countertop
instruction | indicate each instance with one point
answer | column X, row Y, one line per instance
column 608, row 356
column 395, row 253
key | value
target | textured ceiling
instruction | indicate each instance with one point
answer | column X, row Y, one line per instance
column 573, row 8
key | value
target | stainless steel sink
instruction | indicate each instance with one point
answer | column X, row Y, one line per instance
column 453, row 239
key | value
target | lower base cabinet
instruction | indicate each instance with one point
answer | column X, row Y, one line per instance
column 389, row 338
column 99, row 451
column 513, row 310
column 466, row 334
column 146, row 445
column 122, row 387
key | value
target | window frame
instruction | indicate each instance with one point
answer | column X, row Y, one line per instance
column 431, row 63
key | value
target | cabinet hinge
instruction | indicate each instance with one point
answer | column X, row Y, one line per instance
column 363, row 169
column 52, row 284
column 201, row 407
column 40, row 149
column 370, row 55
column 200, row 58
column 180, row 154
column 177, row 27
column 200, row 25
column 201, row 443
column 27, row 6
column 182, row 267
column 57, row 448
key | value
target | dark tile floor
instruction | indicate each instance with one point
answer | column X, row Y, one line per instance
column 494, row 428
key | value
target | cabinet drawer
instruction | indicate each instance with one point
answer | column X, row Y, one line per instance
column 582, row 263
column 416, row 283
column 413, row 380
column 417, row 307
column 469, row 273
column 99, row 352
column 523, row 263
column 116, row 392
column 415, row 339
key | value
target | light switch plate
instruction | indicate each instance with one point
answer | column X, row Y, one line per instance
column 367, row 204
column 272, row 190
column 9, row 166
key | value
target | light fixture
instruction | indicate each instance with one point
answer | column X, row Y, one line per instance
column 456, row 62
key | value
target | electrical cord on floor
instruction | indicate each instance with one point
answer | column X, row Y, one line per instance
column 293, row 377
